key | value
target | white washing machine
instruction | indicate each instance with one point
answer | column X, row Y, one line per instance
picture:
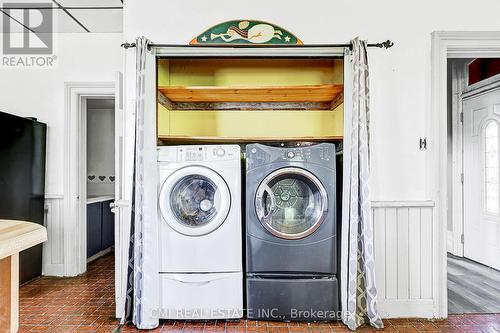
column 200, row 232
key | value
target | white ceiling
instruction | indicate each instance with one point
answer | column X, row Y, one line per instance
column 102, row 20
column 77, row 15
column 90, row 3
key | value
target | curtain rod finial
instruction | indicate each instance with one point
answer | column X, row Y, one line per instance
column 127, row 45
column 387, row 44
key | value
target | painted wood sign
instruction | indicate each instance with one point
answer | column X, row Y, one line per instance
column 246, row 32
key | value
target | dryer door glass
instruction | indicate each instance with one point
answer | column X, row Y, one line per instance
column 291, row 203
column 193, row 200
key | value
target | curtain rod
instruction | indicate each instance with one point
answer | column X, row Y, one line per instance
column 387, row 44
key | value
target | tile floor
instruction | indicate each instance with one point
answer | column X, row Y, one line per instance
column 85, row 304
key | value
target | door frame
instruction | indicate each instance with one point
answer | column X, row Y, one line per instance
column 447, row 44
column 75, row 227
column 459, row 79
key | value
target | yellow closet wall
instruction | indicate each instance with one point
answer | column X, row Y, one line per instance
column 249, row 123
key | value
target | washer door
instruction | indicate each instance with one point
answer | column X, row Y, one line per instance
column 194, row 200
column 291, row 203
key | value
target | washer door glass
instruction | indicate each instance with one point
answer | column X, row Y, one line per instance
column 194, row 200
column 291, row 203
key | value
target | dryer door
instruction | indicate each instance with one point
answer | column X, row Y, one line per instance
column 194, row 200
column 291, row 203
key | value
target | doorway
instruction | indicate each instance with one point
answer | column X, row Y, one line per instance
column 76, row 177
column 99, row 126
column 473, row 224
column 75, row 170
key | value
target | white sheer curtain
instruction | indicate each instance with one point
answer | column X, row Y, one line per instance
column 358, row 290
column 142, row 300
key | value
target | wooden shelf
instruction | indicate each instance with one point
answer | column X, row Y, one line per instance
column 165, row 139
column 214, row 94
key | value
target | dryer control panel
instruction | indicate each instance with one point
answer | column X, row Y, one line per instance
column 199, row 153
column 322, row 153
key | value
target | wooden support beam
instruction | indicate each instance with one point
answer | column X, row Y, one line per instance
column 163, row 100
column 339, row 99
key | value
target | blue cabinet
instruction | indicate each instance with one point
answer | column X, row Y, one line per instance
column 100, row 227
column 108, row 226
column 93, row 228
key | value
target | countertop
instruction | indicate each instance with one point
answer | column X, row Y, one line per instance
column 99, row 198
column 16, row 236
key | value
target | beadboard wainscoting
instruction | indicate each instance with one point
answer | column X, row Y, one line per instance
column 404, row 238
column 53, row 249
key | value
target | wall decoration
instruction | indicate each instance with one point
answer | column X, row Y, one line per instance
column 246, row 32
column 100, row 179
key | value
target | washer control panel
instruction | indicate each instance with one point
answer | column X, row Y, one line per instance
column 199, row 153
column 207, row 153
column 220, row 152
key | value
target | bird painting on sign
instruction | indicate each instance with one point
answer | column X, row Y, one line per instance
column 258, row 34
column 246, row 32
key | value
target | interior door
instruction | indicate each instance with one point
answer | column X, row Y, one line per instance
column 481, row 177
column 119, row 205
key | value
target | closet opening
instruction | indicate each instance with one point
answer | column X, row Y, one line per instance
column 280, row 121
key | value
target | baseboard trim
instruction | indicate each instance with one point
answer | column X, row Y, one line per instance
column 449, row 242
column 99, row 254
column 407, row 308
column 53, row 270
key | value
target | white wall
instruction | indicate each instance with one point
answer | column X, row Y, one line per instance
column 400, row 77
column 100, row 151
column 40, row 92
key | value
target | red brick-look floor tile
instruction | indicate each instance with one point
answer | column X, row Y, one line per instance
column 85, row 304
